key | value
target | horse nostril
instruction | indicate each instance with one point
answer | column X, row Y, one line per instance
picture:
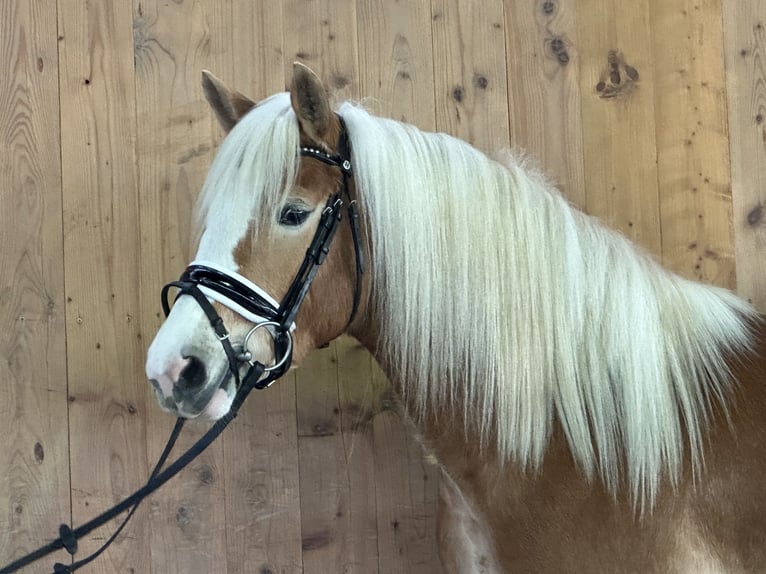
column 193, row 374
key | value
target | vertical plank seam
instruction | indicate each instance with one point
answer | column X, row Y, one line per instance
column 508, row 109
column 368, row 381
column 655, row 112
column 580, row 135
column 727, row 135
column 139, row 223
column 293, row 376
column 59, row 33
column 434, row 96
column 342, row 430
column 224, row 466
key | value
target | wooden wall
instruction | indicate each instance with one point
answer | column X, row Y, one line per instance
column 649, row 114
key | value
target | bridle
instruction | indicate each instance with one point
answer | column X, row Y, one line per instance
column 204, row 281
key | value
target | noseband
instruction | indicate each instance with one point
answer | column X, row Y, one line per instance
column 205, row 281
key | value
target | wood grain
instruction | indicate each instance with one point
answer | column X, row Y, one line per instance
column 261, row 449
column 543, row 61
column 34, row 442
column 101, row 222
column 263, row 520
column 398, row 78
column 322, row 35
column 617, row 95
column 745, row 53
column 693, row 171
column 407, row 492
column 175, row 146
column 358, row 401
column 336, row 482
column 324, row 488
column 470, row 84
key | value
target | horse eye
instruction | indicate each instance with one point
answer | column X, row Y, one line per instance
column 293, row 216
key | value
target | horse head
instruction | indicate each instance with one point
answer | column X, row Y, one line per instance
column 273, row 192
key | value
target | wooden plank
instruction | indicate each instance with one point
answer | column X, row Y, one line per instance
column 407, row 491
column 745, row 54
column 324, row 488
column 175, row 146
column 336, row 481
column 692, row 140
column 471, row 89
column 396, row 72
column 337, row 486
column 261, row 449
column 34, row 489
column 100, row 214
column 322, row 35
column 357, row 398
column 262, row 487
column 617, row 91
column 400, row 85
column 543, row 60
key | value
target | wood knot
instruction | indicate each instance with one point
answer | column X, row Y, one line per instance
column 755, row 215
column 558, row 49
column 323, row 428
column 549, row 7
column 480, row 82
column 316, row 541
column 618, row 79
column 184, row 515
column 206, row 475
column 457, row 94
column 339, row 81
column 39, row 453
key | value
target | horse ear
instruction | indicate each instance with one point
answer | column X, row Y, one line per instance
column 310, row 102
column 229, row 105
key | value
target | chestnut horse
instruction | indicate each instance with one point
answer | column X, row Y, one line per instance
column 590, row 411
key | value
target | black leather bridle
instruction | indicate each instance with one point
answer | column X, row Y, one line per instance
column 236, row 292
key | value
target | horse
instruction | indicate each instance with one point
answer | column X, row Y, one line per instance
column 589, row 410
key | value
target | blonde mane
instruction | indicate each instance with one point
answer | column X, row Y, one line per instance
column 492, row 289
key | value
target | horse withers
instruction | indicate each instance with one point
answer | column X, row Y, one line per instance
column 590, row 411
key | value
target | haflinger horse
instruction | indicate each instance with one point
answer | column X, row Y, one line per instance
column 590, row 411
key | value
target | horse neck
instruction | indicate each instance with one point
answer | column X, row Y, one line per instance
column 444, row 432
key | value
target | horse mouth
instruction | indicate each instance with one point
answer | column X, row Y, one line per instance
column 210, row 404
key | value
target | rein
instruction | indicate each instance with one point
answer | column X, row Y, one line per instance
column 204, row 281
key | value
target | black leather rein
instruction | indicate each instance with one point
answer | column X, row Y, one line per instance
column 251, row 301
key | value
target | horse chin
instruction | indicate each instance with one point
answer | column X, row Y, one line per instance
column 216, row 406
column 219, row 405
column 211, row 406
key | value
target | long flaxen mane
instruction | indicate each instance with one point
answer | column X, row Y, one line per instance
column 492, row 289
